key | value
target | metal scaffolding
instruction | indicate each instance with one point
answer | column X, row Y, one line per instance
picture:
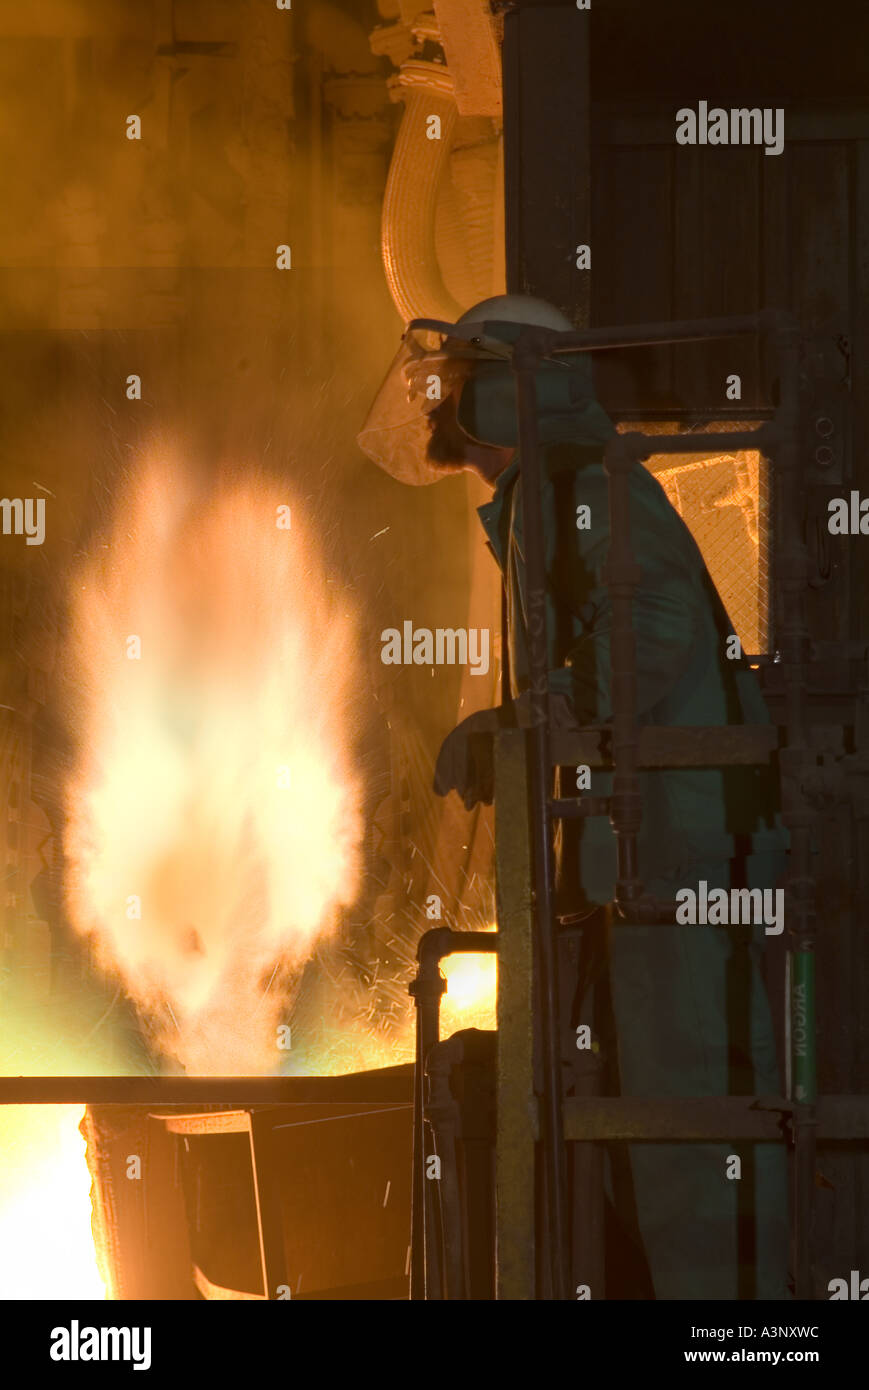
column 525, row 864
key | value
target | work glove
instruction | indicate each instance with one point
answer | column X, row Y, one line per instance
column 466, row 762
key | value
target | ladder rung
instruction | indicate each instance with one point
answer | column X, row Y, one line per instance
column 645, row 1119
column 662, row 746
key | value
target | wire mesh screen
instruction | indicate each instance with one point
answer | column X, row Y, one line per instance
column 724, row 501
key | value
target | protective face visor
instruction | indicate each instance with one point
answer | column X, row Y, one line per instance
column 433, row 359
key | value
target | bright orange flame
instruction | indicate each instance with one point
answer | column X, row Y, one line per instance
column 212, row 791
column 45, row 1217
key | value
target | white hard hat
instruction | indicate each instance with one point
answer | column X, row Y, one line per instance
column 517, row 308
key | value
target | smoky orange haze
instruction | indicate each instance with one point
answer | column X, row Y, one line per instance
column 213, row 814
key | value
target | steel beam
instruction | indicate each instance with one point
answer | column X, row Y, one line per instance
column 675, row 1119
column 388, row 1086
column 546, row 201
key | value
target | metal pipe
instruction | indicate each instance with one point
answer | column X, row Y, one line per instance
column 552, row 340
column 441, row 1113
column 526, row 359
column 648, row 334
column 417, row 1190
column 426, row 991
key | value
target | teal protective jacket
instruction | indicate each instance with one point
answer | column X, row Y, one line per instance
column 684, row 675
column 672, row 987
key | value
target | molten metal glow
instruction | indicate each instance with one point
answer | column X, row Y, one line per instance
column 212, row 790
column 45, row 1230
column 356, row 1044
column 470, row 1000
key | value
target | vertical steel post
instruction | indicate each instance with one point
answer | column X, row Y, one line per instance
column 792, row 640
column 516, row 1107
column 425, row 990
column 622, row 576
column 526, row 359
column 442, row 1118
column 547, row 215
column 417, row 1189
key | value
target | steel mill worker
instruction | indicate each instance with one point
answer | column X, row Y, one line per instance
column 680, row 1023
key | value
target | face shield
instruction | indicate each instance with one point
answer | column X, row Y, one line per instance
column 432, row 361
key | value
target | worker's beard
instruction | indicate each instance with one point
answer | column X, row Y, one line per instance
column 447, row 444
